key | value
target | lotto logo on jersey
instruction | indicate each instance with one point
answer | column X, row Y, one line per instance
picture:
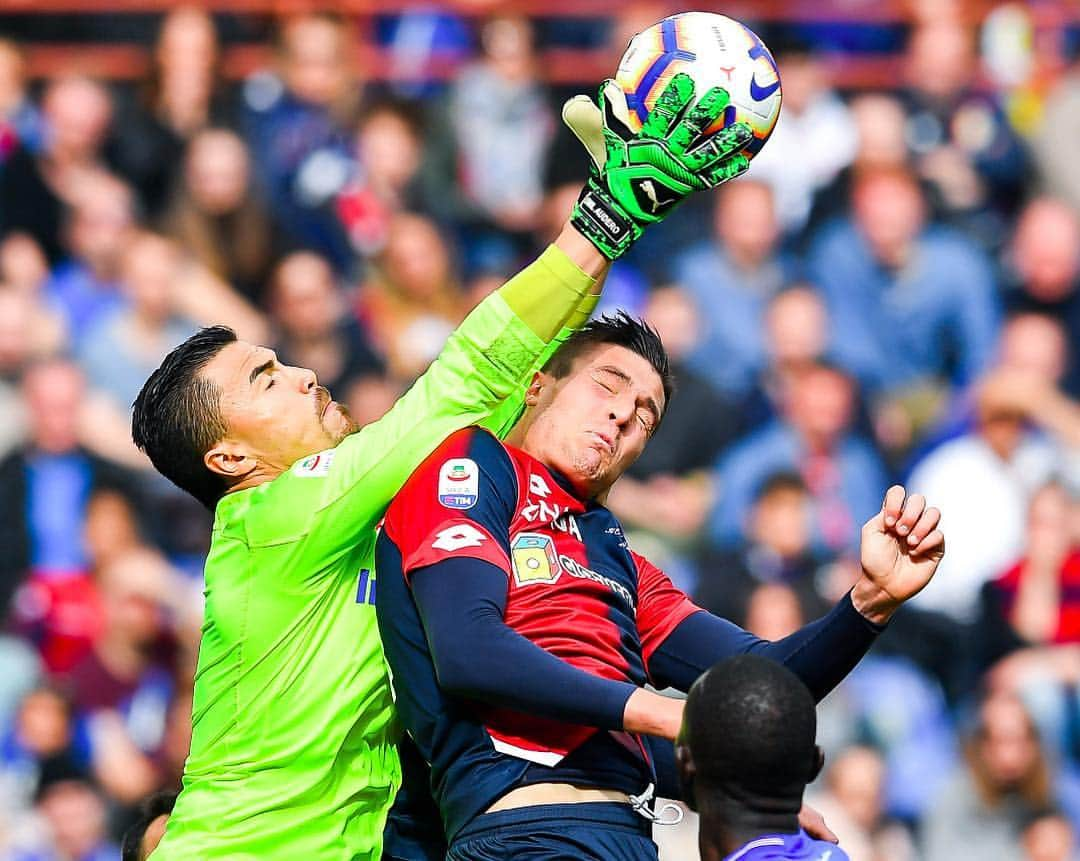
column 314, row 465
column 534, row 559
column 458, row 537
column 459, row 483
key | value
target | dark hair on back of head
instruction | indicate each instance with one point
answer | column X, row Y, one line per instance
column 177, row 416
column 621, row 330
column 783, row 479
column 150, row 809
column 750, row 723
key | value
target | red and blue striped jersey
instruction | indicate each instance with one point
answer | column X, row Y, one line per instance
column 573, row 587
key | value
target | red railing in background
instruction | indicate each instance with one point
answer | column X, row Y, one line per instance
column 561, row 65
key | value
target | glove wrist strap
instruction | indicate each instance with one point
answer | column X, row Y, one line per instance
column 600, row 219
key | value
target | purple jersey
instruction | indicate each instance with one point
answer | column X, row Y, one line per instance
column 782, row 847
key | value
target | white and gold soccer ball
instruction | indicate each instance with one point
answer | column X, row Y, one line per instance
column 714, row 50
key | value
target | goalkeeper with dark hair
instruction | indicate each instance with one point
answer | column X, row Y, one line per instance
column 292, row 751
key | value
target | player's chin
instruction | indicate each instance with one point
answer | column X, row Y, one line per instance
column 338, row 422
column 592, row 463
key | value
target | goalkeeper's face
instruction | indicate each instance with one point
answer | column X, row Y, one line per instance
column 274, row 414
column 593, row 423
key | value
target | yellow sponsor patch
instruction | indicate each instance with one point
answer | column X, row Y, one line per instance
column 534, row 559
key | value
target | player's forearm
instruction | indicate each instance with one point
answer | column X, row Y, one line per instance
column 652, row 714
column 582, row 252
column 821, row 653
column 560, row 289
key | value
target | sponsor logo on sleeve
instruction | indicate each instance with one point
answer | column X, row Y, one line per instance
column 458, row 537
column 534, row 559
column 314, row 465
column 459, row 483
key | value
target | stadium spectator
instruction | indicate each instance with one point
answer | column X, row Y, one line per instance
column 667, row 490
column 503, row 126
column 890, row 705
column 731, row 278
column 1045, row 266
column 814, row 139
column 814, row 438
column 218, row 216
column 1029, row 605
column 35, row 184
column 852, row 802
column 745, row 753
column 773, row 611
column 1032, row 359
column 20, row 120
column 963, row 143
column 111, row 529
column 912, row 305
column 296, row 122
column 100, row 222
column 22, row 263
column 22, row 671
column 1049, row 836
column 412, row 300
column 43, row 738
column 48, row 484
column 1025, row 431
column 124, row 685
column 26, row 334
column 795, row 330
column 43, row 325
column 391, row 175
column 692, row 435
column 123, row 346
column 1028, row 629
column 182, row 94
column 881, row 143
column 1058, row 173
column 313, row 328
column 776, row 548
column 1005, row 779
column 72, row 812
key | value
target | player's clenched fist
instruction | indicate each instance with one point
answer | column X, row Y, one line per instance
column 637, row 179
column 900, row 550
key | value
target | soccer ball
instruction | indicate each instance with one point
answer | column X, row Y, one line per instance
column 714, row 50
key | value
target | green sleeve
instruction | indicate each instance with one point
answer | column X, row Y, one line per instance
column 505, row 416
column 488, row 359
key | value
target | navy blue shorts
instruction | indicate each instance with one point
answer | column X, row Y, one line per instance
column 592, row 831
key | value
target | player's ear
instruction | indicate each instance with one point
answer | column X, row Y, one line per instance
column 229, row 460
column 684, row 765
column 539, row 382
column 819, row 763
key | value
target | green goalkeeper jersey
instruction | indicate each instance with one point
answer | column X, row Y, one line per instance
column 292, row 750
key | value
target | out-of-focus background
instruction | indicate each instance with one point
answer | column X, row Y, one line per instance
column 891, row 294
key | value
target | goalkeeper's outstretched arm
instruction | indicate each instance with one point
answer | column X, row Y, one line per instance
column 491, row 356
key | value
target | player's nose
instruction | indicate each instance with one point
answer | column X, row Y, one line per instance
column 622, row 410
column 306, row 379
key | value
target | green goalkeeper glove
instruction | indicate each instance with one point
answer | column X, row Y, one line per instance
column 636, row 180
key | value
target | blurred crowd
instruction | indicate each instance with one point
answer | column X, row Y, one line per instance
column 892, row 293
